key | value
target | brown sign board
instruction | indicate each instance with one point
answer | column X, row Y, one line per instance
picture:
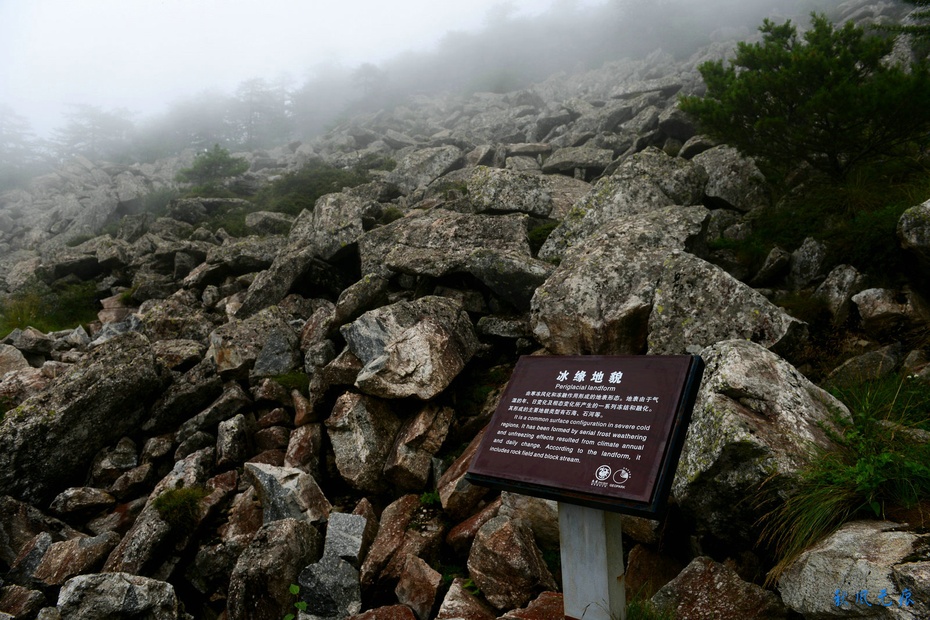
column 599, row 431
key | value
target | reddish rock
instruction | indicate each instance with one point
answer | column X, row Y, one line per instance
column 269, row 390
column 418, row 587
column 304, row 449
column 20, row 523
column 408, row 464
column 304, row 412
column 77, row 556
column 133, row 483
column 272, row 438
column 120, row 519
column 276, row 417
column 82, row 500
column 462, row 535
column 458, row 496
column 547, row 606
column 19, row 602
column 647, row 570
column 706, row 590
column 507, row 565
column 460, row 603
column 269, row 457
column 244, row 518
column 398, row 537
column 390, row 612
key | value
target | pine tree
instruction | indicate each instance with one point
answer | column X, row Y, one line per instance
column 827, row 98
column 209, row 168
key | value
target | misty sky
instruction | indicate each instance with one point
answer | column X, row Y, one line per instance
column 142, row 54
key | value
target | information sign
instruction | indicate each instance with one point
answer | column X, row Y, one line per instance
column 598, row 431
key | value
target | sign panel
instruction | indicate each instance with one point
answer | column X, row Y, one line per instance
column 599, row 431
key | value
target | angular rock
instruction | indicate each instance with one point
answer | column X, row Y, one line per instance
column 867, row 367
column 81, row 500
column 507, row 565
column 462, row 535
column 754, row 420
column 20, row 523
column 914, row 232
column 422, row 167
column 646, row 182
column 837, row 291
column 180, row 354
column 546, row 606
column 102, row 399
column 459, row 497
column 228, row 405
column 259, row 587
column 411, row 348
column 418, row 587
column 117, row 595
column 362, row 430
column 66, row 559
column 236, row 346
column 174, row 319
column 110, row 463
column 493, row 190
column 268, row 222
column 859, row 556
column 569, row 159
column 188, row 395
column 18, row 602
column 697, row 304
column 884, row 311
column 287, row 493
column 706, row 590
column 408, row 464
column 331, row 588
column 540, row 515
column 304, row 449
column 232, row 441
column 347, row 537
column 11, row 359
column 460, row 603
column 734, row 181
column 599, row 299
column 806, row 263
column 388, row 612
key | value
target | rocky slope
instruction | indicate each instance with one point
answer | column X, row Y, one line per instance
column 299, row 406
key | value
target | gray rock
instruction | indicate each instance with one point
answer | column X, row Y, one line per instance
column 11, row 359
column 117, row 595
column 807, row 263
column 734, row 182
column 336, row 222
column 259, row 587
column 346, row 537
column 411, row 348
column 754, row 421
column 644, row 183
column 287, row 493
column 859, row 556
column 236, row 346
column 232, row 441
column 867, row 367
column 227, row 405
column 885, row 312
column 581, row 157
column 697, row 304
column 837, row 291
column 268, row 223
column 422, row 167
column 914, row 232
column 331, row 589
column 362, row 430
column 599, row 299
column 102, row 399
column 493, row 190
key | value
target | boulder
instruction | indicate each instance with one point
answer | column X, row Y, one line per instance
column 706, row 590
column 914, row 232
column 408, row 464
column 411, row 348
column 330, row 588
column 268, row 222
column 418, row 587
column 734, row 181
column 587, row 158
column 237, row 346
column 287, row 493
column 46, row 442
column 885, row 312
column 755, row 420
column 507, row 565
column 837, row 291
column 259, row 587
column 347, row 537
column 856, row 572
column 423, row 166
column 362, row 429
column 599, row 299
column 117, row 595
column 495, row 190
column 646, row 182
column 460, row 603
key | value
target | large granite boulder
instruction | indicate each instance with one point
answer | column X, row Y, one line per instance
column 362, row 429
column 423, row 166
column 46, row 442
column 411, row 348
column 861, row 571
column 755, row 420
column 117, row 595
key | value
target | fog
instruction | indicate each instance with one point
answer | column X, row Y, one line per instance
column 156, row 76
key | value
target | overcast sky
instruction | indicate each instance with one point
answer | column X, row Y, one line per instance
column 141, row 54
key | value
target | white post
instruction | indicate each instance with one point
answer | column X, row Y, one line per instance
column 592, row 563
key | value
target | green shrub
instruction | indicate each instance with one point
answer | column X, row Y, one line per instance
column 828, row 98
column 430, row 498
column 296, row 191
column 877, row 465
column 49, row 309
column 209, row 169
column 180, row 507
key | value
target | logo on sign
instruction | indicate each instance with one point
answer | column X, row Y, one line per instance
column 603, row 473
column 622, row 475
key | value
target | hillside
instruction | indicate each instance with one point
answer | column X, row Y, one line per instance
column 229, row 406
